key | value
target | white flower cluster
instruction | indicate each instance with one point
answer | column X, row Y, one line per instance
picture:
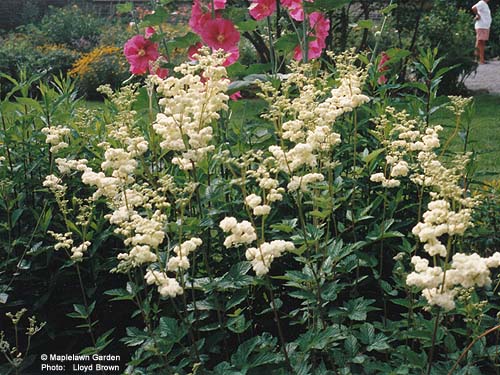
column 55, row 137
column 54, row 184
column 167, row 286
column 261, row 257
column 439, row 219
column 65, row 166
column 77, row 251
column 241, row 233
column 190, row 103
column 348, row 94
column 181, row 261
column 254, row 202
column 302, row 182
column 402, row 139
column 64, row 241
column 439, row 287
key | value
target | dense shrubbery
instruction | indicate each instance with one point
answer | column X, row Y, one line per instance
column 318, row 225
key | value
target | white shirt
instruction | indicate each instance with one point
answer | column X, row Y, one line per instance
column 484, row 21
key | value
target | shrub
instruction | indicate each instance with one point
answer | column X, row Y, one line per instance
column 72, row 27
column 452, row 32
column 104, row 64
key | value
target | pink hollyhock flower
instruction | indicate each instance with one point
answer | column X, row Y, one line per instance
column 220, row 34
column 235, row 96
column 319, row 24
column 234, row 55
column 314, row 50
column 382, row 67
column 194, row 49
column 149, row 32
column 219, row 4
column 198, row 18
column 295, row 8
column 139, row 52
column 320, row 27
column 260, row 9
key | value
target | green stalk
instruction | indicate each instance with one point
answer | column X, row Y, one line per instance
column 272, row 53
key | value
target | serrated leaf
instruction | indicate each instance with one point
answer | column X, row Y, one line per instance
column 351, row 346
column 238, row 324
column 172, row 330
column 357, row 309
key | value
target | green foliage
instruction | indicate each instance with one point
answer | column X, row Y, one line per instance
column 336, row 302
column 73, row 27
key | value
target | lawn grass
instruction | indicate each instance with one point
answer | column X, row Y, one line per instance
column 484, row 134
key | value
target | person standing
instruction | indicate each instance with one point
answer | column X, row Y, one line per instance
column 482, row 26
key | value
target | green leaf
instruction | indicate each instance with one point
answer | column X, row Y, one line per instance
column 358, row 308
column 119, row 294
column 135, row 336
column 351, row 346
column 184, row 41
column 124, row 8
column 325, row 5
column 236, row 298
column 367, row 333
column 373, row 155
column 157, row 18
column 240, row 358
column 389, row 9
column 286, row 43
column 248, row 25
column 171, row 329
column 81, row 310
column 365, row 24
column 379, row 343
column 238, row 324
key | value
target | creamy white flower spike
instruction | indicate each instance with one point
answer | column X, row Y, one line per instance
column 241, row 233
column 190, row 103
column 56, row 137
column 261, row 257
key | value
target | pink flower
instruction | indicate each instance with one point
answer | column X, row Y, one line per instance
column 314, row 50
column 260, row 9
column 194, row 49
column 320, row 27
column 219, row 4
column 139, row 52
column 198, row 18
column 319, row 24
column 235, row 96
column 234, row 55
column 295, row 8
column 220, row 34
column 382, row 67
column 149, row 32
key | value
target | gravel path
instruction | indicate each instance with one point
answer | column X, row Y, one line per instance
column 486, row 79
